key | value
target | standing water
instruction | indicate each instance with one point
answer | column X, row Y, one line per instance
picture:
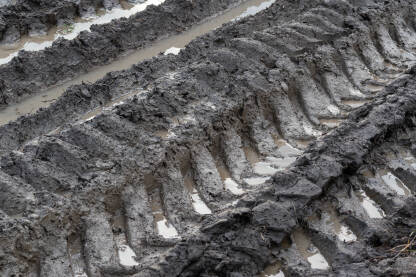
column 370, row 206
column 273, row 270
column 309, row 251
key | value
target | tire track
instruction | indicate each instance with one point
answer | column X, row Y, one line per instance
column 239, row 111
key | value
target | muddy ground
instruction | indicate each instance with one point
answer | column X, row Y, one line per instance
column 227, row 159
column 32, row 71
column 27, row 17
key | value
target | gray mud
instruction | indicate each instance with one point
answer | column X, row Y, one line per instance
column 93, row 188
column 39, row 40
column 31, row 104
column 20, row 18
column 31, row 72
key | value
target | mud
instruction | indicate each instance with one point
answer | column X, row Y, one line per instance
column 371, row 208
column 31, row 104
column 309, row 251
column 262, row 84
column 274, row 270
column 67, row 59
column 328, row 219
column 21, row 18
column 69, row 30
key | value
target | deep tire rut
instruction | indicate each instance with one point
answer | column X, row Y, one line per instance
column 246, row 152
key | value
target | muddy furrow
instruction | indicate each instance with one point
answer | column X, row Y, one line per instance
column 199, row 171
column 113, row 86
column 32, row 72
column 41, row 37
column 318, row 84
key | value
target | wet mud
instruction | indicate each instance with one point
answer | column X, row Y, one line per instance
column 70, row 58
column 171, row 45
column 40, row 40
column 220, row 160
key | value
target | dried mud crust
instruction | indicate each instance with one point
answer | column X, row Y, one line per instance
column 72, row 197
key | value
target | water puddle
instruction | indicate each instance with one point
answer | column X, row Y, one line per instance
column 165, row 134
column 273, row 270
column 32, row 43
column 354, row 103
column 388, row 178
column 344, row 233
column 374, row 88
column 393, row 68
column 260, row 167
column 285, row 149
column 5, row 3
column 408, row 158
column 255, row 9
column 394, row 183
column 270, row 165
column 251, row 155
column 76, row 257
column 333, row 109
column 199, row 205
column 330, row 122
column 173, row 50
column 256, row 181
column 403, row 154
column 163, row 227
column 357, row 92
column 309, row 251
column 310, row 130
column 222, row 169
column 127, row 256
column 264, row 168
column 413, row 164
column 225, row 175
column 369, row 205
column 232, row 186
column 32, row 103
column 329, row 217
column 302, row 144
column 281, row 163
